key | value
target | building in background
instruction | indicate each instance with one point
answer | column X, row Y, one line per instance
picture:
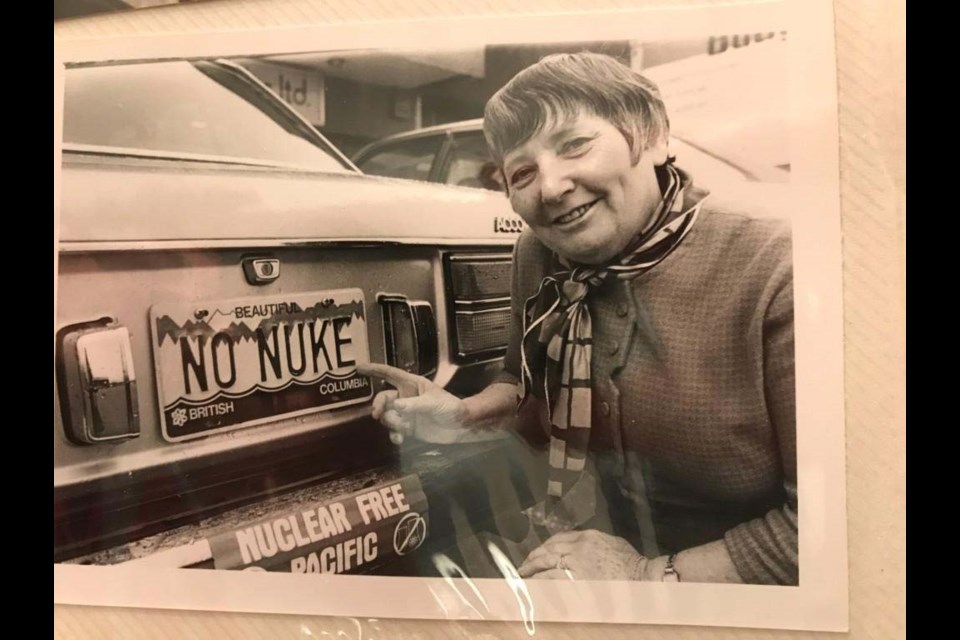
column 355, row 98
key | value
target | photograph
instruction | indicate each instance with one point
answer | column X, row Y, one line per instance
column 510, row 315
column 63, row 9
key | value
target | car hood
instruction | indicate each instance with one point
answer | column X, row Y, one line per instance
column 122, row 199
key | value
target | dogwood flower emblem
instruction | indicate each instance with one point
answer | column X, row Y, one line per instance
column 179, row 417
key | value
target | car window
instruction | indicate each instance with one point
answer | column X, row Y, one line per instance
column 174, row 107
column 470, row 164
column 411, row 159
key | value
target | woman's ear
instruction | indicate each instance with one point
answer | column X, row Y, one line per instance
column 631, row 136
column 659, row 152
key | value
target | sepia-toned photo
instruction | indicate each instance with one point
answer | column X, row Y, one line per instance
column 508, row 317
column 78, row 8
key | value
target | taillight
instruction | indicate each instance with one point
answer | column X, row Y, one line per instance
column 410, row 334
column 98, row 386
column 479, row 290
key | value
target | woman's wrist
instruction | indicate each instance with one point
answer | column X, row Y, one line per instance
column 487, row 410
column 656, row 568
column 649, row 569
column 639, row 568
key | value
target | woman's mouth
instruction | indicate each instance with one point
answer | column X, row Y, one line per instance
column 575, row 214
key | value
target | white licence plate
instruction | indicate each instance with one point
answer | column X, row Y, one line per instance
column 227, row 364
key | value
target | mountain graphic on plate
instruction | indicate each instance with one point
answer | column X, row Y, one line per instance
column 319, row 311
column 167, row 327
column 239, row 331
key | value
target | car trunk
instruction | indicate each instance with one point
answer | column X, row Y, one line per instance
column 113, row 491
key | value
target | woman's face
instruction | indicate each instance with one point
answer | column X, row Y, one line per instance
column 574, row 184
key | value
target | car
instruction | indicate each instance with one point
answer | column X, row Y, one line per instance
column 456, row 154
column 221, row 270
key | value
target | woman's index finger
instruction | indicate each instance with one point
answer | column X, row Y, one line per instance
column 397, row 377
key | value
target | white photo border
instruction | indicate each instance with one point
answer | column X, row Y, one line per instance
column 820, row 602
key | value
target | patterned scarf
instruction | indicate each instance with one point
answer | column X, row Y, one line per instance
column 557, row 333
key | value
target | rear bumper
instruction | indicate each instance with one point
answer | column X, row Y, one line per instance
column 470, row 491
column 111, row 510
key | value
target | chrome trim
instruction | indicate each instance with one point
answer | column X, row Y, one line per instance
column 482, row 257
column 421, row 312
column 293, row 113
column 184, row 156
column 416, row 318
column 477, row 313
column 446, row 367
column 76, row 382
column 73, row 246
column 472, row 303
column 253, row 436
column 386, row 329
column 255, row 269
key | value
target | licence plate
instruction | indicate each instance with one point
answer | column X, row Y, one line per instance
column 227, row 364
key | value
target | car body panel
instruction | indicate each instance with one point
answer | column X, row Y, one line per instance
column 123, row 199
column 139, row 228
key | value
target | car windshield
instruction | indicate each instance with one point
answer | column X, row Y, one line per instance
column 470, row 163
column 411, row 159
column 202, row 110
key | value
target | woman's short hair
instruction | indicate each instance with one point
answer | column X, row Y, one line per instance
column 564, row 84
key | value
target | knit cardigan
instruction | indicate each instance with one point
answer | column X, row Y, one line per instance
column 694, row 414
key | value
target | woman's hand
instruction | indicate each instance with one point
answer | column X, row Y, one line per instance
column 584, row 555
column 417, row 407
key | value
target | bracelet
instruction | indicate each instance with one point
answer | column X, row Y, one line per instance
column 670, row 571
column 639, row 564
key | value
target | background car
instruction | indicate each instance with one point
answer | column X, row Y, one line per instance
column 454, row 154
column 457, row 154
column 221, row 270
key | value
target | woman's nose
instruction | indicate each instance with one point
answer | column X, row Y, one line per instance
column 555, row 181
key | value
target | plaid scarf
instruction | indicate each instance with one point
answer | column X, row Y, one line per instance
column 557, row 333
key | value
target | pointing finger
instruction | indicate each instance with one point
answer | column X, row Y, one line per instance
column 393, row 375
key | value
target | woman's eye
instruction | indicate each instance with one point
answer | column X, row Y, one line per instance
column 574, row 146
column 520, row 177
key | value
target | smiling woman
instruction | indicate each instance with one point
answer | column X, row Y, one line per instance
column 653, row 334
column 578, row 187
